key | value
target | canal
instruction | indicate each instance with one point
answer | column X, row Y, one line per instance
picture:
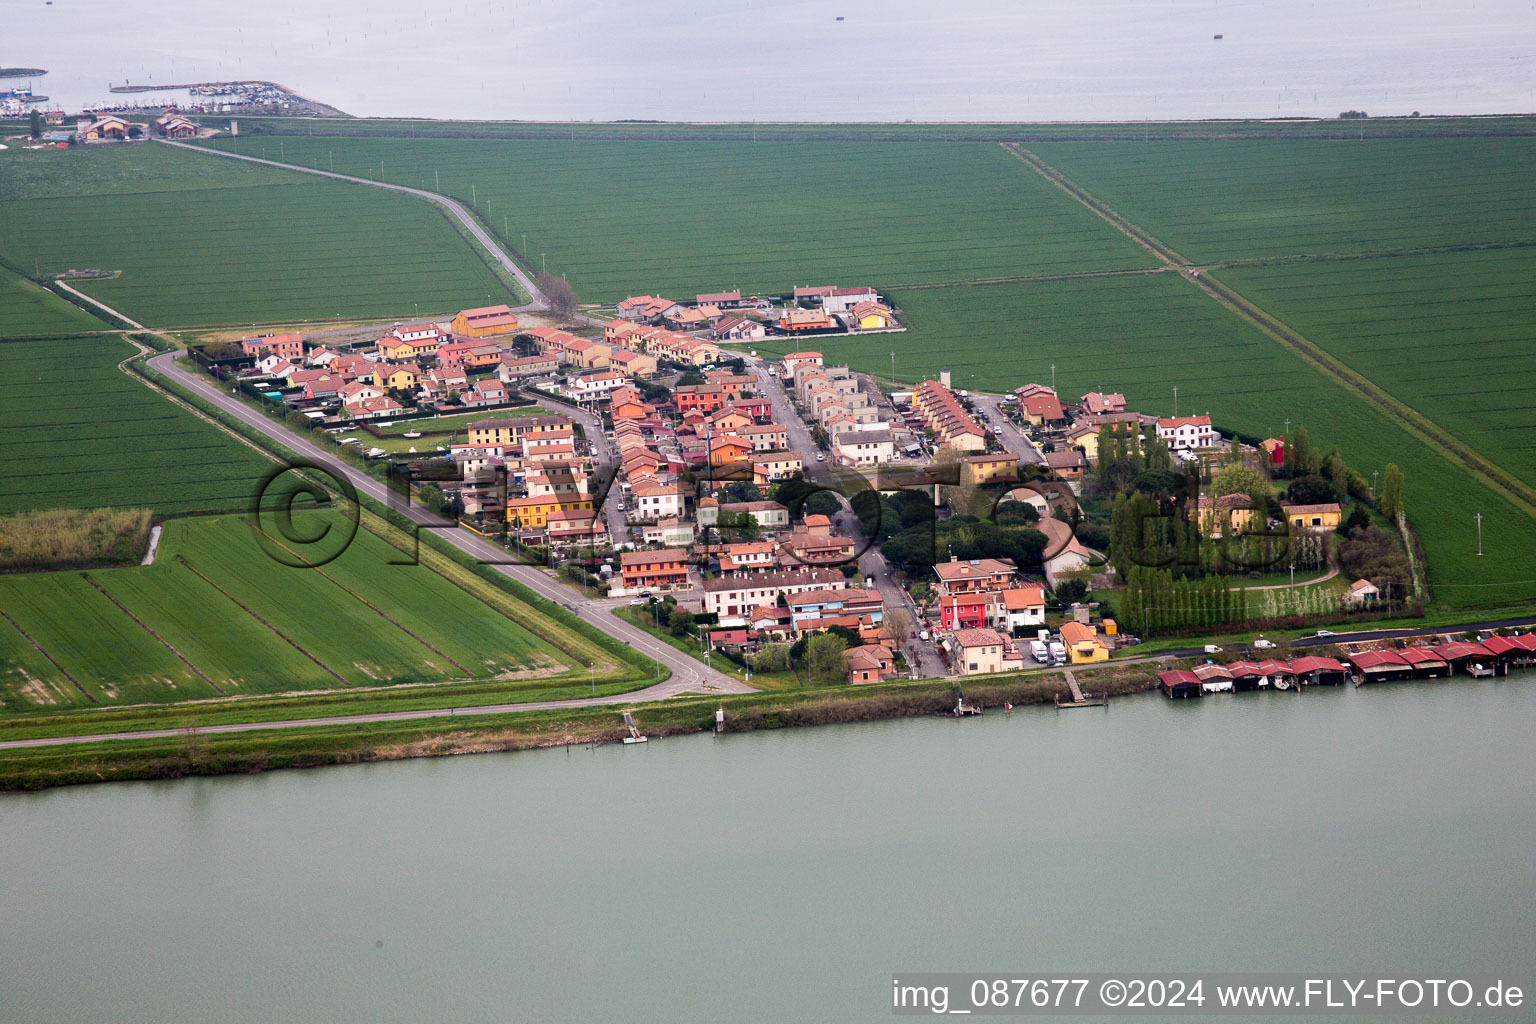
column 786, row 875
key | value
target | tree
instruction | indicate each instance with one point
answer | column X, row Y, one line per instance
column 36, row 123
column 824, row 659
column 1298, row 452
column 135, row 132
column 822, row 503
column 898, row 622
column 1237, row 478
column 1390, row 502
column 770, row 658
column 431, row 496
column 561, row 296
column 1357, row 517
column 1310, row 490
column 679, row 621
column 1071, row 591
column 688, row 378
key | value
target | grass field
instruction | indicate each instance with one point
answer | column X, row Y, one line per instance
column 28, row 310
column 80, row 433
column 203, row 241
column 1143, row 336
column 677, row 218
column 1453, row 335
column 1219, row 201
column 215, row 616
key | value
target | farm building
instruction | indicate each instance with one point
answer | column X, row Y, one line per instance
column 484, row 321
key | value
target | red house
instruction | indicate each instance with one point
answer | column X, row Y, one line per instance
column 964, row 611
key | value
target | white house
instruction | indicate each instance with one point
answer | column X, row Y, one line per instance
column 1183, row 432
column 864, row 447
column 1022, row 606
column 657, row 501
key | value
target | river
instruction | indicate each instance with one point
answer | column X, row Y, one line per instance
column 809, row 60
column 786, row 875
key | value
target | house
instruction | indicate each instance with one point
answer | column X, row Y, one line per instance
column 976, row 652
column 534, row 512
column 732, row 596
column 1179, row 683
column 728, row 420
column 625, row 404
column 1362, row 592
column 941, row 412
column 1039, row 405
column 1023, row 606
column 705, row 398
column 764, row 437
column 768, row 467
column 864, row 447
column 976, row 470
column 870, row 316
column 1186, row 432
column 648, row 307
column 1083, row 643
column 484, row 321
column 632, row 364
column 289, row 346
column 975, row 575
column 393, row 347
column 770, row 515
column 372, row 408
column 739, row 328
column 871, row 663
column 665, row 568
column 749, row 557
column 721, row 299
column 727, row 451
column 794, row 362
column 966, row 610
column 735, row 384
column 357, row 391
column 657, row 501
column 1096, row 404
column 511, row 430
column 511, row 369
column 1274, row 451
column 483, row 357
column 671, row 533
column 595, row 385
column 1323, row 516
column 397, row 378
column 1224, row 515
column 1063, row 553
column 103, row 128
column 174, row 126
column 797, row 320
column 589, row 355
column 690, row 319
column 1067, row 465
column 573, row 526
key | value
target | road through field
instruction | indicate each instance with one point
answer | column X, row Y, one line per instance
column 463, row 216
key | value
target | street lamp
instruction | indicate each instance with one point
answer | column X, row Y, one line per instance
column 592, row 668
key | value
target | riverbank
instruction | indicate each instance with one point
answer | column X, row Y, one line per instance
column 193, row 752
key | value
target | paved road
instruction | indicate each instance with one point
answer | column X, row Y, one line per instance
column 607, row 461
column 1011, row 437
column 1364, row 635
column 686, row 673
column 538, row 300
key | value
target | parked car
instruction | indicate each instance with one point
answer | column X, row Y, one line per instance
column 638, row 601
column 1324, row 633
column 1263, row 645
column 1212, row 649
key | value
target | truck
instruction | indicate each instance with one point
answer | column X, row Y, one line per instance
column 1058, row 653
column 1038, row 649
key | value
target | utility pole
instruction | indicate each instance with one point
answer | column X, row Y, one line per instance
column 541, row 263
column 525, row 245
column 332, row 155
column 437, row 182
column 1176, row 404
column 474, row 197
column 893, row 367
column 1479, row 518
column 1053, row 376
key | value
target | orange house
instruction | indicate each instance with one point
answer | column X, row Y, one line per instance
column 705, row 398
column 534, row 512
column 725, row 451
column 654, row 568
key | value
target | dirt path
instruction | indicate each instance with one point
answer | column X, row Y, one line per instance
column 1521, row 494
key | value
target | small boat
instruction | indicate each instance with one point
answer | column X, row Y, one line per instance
column 839, row 17
column 1281, row 684
column 412, row 433
column 1216, row 36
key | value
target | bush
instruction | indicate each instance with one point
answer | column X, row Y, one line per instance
column 62, row 538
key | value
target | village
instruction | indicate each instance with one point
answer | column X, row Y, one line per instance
column 730, row 496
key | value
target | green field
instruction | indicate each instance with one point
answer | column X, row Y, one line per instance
column 28, row 310
column 677, row 218
column 1453, row 335
column 1144, row 336
column 81, row 433
column 1220, row 201
column 204, row 241
column 164, row 633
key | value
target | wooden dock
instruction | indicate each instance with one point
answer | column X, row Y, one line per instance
column 1079, row 698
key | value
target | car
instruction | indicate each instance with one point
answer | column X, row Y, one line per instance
column 1324, row 633
column 1263, row 645
column 638, row 601
column 1212, row 649
column 645, row 594
column 820, row 457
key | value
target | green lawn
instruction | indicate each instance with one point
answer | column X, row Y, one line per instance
column 1241, row 200
column 204, row 241
column 29, row 310
column 80, row 433
column 1452, row 335
column 679, row 218
column 252, row 626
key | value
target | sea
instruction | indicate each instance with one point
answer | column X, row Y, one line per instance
column 802, row 60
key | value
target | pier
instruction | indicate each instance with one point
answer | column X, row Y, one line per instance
column 1079, row 698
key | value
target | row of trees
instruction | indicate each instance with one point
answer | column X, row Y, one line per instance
column 1156, row 601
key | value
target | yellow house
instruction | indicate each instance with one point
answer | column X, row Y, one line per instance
column 632, row 364
column 526, row 513
column 394, row 348
column 1083, row 643
column 398, row 378
column 770, row 466
column 983, row 469
column 1314, row 517
column 1086, row 438
column 1225, row 514
column 871, row 316
column 484, row 322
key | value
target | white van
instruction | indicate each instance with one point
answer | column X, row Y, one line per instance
column 1038, row 650
column 1058, row 653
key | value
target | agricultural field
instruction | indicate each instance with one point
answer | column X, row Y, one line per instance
column 1223, row 201
column 81, row 433
column 1453, row 335
column 1145, row 335
column 677, row 218
column 203, row 241
column 28, row 310
column 216, row 616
